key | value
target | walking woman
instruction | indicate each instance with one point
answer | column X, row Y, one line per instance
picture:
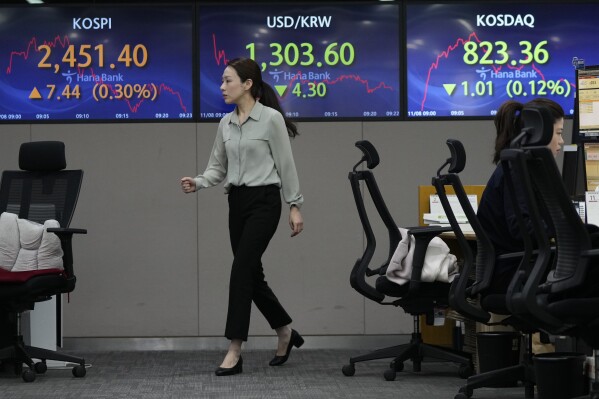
column 252, row 154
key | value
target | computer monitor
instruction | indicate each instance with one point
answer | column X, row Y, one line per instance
column 579, row 170
column 587, row 94
column 591, row 165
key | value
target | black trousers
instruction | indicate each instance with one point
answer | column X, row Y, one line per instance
column 254, row 214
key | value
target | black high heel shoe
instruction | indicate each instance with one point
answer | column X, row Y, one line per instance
column 237, row 369
column 296, row 340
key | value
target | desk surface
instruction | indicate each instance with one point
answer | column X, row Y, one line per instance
column 450, row 235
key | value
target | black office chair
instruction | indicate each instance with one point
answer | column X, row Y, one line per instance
column 469, row 294
column 41, row 190
column 565, row 300
column 416, row 297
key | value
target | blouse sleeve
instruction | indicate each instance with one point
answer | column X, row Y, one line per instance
column 280, row 147
column 216, row 171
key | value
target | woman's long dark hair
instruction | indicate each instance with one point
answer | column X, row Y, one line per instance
column 247, row 68
column 508, row 124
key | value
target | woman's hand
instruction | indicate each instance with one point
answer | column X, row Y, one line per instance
column 295, row 221
column 188, row 185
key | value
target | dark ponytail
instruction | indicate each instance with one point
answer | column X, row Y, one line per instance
column 247, row 68
column 507, row 125
column 269, row 98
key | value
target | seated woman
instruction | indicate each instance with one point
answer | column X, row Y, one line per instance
column 495, row 211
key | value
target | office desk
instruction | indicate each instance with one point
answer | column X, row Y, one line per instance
column 450, row 235
column 425, row 192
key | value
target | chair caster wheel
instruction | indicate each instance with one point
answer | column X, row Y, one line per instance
column 389, row 375
column 40, row 367
column 417, row 366
column 79, row 371
column 18, row 368
column 529, row 390
column 465, row 371
column 28, row 375
column 348, row 370
column 397, row 366
column 464, row 393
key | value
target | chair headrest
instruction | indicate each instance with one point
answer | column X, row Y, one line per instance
column 371, row 156
column 537, row 121
column 457, row 160
column 42, row 156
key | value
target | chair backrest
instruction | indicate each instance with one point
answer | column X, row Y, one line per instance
column 571, row 236
column 361, row 269
column 462, row 287
column 532, row 173
column 42, row 189
column 519, row 167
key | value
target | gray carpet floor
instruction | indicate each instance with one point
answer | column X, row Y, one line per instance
column 190, row 374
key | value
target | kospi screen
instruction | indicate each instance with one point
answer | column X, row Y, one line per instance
column 464, row 60
column 76, row 63
column 324, row 61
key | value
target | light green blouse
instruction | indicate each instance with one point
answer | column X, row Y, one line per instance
column 256, row 153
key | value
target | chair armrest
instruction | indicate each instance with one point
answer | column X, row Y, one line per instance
column 526, row 295
column 422, row 236
column 419, row 230
column 591, row 252
column 64, row 231
column 381, row 270
column 464, row 304
column 511, row 255
column 359, row 283
column 65, row 234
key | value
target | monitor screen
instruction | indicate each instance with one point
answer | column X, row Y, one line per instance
column 465, row 59
column 324, row 61
column 588, row 102
column 591, row 165
column 80, row 63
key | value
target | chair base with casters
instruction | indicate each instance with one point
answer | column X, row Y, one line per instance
column 416, row 350
column 416, row 297
column 470, row 293
column 18, row 354
column 523, row 372
column 42, row 190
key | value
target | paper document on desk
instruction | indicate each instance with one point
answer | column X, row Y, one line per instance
column 437, row 207
column 436, row 218
column 464, row 226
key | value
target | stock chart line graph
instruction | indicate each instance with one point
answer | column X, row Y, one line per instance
column 63, row 67
column 465, row 65
column 61, row 42
column 331, row 70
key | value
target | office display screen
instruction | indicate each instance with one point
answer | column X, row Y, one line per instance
column 464, row 60
column 588, row 102
column 591, row 165
column 79, row 63
column 324, row 61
